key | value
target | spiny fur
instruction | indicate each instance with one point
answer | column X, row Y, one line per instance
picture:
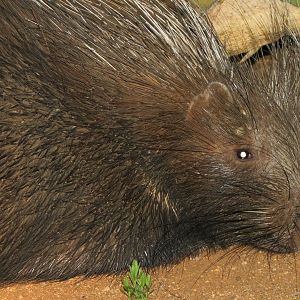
column 116, row 144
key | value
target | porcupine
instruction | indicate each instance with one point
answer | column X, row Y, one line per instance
column 127, row 133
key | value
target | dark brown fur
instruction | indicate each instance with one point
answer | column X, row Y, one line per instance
column 126, row 133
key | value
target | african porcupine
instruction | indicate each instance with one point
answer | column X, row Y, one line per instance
column 127, row 133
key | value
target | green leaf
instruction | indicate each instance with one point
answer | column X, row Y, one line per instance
column 142, row 281
column 137, row 284
column 125, row 282
column 134, row 270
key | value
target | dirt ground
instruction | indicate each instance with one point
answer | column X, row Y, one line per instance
column 225, row 275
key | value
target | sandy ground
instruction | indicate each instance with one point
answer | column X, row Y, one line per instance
column 224, row 275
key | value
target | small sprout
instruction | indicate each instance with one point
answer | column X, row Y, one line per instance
column 137, row 284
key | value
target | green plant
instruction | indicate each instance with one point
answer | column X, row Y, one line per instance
column 137, row 284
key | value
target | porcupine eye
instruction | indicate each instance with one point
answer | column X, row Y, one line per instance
column 243, row 154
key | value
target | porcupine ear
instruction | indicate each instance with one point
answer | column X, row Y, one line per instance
column 215, row 97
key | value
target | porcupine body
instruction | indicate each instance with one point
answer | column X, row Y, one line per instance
column 126, row 133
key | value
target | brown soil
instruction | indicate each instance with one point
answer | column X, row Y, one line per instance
column 226, row 275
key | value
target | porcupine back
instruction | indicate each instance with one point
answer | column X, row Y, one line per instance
column 126, row 133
